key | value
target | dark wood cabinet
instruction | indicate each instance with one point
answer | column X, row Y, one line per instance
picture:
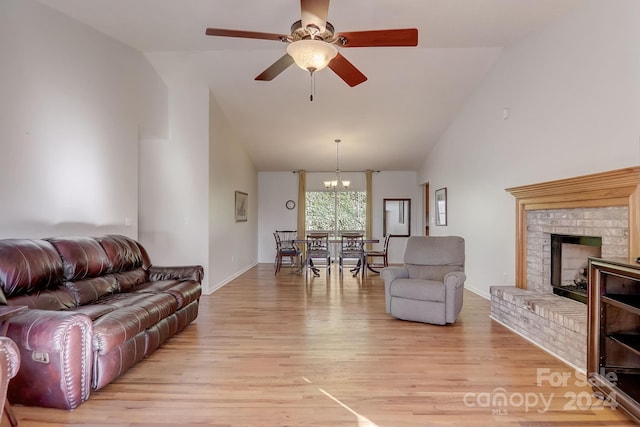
column 613, row 338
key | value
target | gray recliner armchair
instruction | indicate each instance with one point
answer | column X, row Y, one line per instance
column 430, row 286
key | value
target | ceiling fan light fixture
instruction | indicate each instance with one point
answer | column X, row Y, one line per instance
column 312, row 55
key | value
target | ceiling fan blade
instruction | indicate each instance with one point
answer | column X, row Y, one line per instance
column 276, row 68
column 245, row 34
column 375, row 38
column 347, row 71
column 314, row 12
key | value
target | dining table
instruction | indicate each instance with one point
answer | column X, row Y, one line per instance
column 360, row 266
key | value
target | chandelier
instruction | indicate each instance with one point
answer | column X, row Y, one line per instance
column 337, row 183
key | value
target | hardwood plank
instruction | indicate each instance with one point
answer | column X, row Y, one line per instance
column 271, row 350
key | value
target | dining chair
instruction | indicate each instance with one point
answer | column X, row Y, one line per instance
column 286, row 248
column 352, row 247
column 380, row 255
column 317, row 250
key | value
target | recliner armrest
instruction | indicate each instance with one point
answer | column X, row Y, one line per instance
column 455, row 278
column 187, row 272
column 454, row 290
column 389, row 274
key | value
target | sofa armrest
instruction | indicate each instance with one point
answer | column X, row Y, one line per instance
column 11, row 358
column 10, row 362
column 454, row 290
column 56, row 358
column 187, row 272
column 389, row 274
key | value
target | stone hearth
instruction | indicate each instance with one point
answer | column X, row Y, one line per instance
column 554, row 323
column 605, row 205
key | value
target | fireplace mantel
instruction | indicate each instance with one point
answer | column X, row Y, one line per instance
column 619, row 187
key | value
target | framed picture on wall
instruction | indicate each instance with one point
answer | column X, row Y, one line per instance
column 441, row 206
column 241, row 206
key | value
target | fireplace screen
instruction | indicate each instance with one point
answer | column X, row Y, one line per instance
column 569, row 258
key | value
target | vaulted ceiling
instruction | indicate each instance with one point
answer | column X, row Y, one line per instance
column 389, row 122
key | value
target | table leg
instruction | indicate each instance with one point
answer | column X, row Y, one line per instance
column 13, row 421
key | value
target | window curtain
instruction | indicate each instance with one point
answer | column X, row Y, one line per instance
column 369, row 187
column 302, row 207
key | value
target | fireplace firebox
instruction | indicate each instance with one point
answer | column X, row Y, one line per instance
column 569, row 264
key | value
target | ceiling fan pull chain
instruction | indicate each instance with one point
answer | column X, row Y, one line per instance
column 313, row 86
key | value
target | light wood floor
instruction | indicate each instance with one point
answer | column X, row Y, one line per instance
column 276, row 351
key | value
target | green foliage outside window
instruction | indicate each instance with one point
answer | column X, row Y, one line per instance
column 351, row 212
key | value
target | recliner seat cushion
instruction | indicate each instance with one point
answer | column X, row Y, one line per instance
column 418, row 289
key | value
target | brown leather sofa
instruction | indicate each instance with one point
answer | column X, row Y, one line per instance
column 97, row 306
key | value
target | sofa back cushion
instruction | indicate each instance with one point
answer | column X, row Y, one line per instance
column 59, row 298
column 28, row 266
column 82, row 257
column 123, row 252
column 89, row 290
column 128, row 280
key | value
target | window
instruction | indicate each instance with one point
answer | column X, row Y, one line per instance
column 336, row 211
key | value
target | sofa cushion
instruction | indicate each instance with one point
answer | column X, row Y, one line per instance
column 131, row 314
column 90, row 290
column 49, row 299
column 184, row 291
column 28, row 266
column 130, row 279
column 418, row 289
column 123, row 252
column 82, row 257
column 431, row 272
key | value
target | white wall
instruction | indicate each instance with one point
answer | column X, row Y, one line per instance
column 188, row 183
column 72, row 106
column 85, row 121
column 396, row 185
column 275, row 188
column 174, row 184
column 572, row 91
column 233, row 247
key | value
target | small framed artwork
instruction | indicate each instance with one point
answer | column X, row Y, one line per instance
column 441, row 206
column 241, row 206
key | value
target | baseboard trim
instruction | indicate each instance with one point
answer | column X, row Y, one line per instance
column 220, row 284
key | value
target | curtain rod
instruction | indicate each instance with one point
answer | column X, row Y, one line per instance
column 333, row 171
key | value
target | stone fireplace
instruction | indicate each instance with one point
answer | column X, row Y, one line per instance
column 569, row 264
column 582, row 232
column 605, row 206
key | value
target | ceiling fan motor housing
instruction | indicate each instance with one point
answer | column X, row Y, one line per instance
column 298, row 32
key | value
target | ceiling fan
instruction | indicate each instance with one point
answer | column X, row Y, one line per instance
column 312, row 43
